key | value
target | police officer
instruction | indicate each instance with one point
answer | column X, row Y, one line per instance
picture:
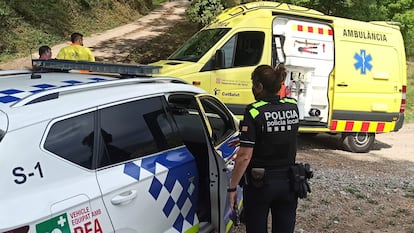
column 267, row 149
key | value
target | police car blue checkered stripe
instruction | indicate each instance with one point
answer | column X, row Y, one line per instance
column 8, row 96
column 178, row 184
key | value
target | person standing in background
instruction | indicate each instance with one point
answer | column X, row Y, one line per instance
column 76, row 51
column 45, row 52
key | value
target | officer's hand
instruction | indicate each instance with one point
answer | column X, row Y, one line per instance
column 235, row 142
column 232, row 199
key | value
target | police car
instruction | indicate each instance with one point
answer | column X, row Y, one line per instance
column 112, row 150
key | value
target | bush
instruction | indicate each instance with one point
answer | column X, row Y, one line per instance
column 204, row 11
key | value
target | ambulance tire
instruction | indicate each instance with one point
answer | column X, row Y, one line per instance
column 358, row 142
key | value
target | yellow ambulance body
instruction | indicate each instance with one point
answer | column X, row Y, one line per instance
column 348, row 76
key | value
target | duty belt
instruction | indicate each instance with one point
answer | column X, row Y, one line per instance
column 279, row 172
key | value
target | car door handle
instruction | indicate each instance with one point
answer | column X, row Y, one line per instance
column 342, row 85
column 124, row 197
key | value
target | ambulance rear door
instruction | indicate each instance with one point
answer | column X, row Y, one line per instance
column 306, row 47
column 368, row 73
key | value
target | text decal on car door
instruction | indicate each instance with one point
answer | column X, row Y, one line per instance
column 19, row 172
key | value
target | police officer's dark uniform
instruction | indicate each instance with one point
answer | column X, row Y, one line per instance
column 272, row 126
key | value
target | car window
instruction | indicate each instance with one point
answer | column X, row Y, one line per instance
column 135, row 129
column 72, row 139
column 220, row 120
column 198, row 45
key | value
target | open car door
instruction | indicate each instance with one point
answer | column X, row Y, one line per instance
column 221, row 127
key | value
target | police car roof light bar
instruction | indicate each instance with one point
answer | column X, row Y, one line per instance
column 121, row 69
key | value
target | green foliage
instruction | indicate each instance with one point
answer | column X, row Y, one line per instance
column 6, row 37
column 204, row 11
column 407, row 28
column 156, row 3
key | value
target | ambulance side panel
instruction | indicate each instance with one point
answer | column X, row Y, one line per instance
column 369, row 74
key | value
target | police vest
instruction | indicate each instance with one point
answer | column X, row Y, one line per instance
column 276, row 133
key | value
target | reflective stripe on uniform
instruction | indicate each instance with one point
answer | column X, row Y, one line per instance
column 254, row 112
column 259, row 104
column 288, row 100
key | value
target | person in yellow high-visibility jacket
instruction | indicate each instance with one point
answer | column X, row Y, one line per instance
column 76, row 51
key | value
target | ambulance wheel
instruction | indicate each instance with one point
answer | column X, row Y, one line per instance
column 358, row 142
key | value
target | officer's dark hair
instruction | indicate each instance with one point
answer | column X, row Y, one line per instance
column 43, row 49
column 269, row 77
column 75, row 37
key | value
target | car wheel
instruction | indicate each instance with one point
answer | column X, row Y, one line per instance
column 358, row 142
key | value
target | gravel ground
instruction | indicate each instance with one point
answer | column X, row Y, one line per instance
column 370, row 193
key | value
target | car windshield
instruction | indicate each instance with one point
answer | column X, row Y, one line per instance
column 194, row 48
column 3, row 125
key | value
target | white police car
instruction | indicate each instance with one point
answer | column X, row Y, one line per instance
column 91, row 153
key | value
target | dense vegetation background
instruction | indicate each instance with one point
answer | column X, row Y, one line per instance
column 26, row 25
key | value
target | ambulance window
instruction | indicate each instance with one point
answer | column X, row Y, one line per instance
column 72, row 139
column 135, row 129
column 228, row 50
column 244, row 49
column 220, row 121
column 198, row 45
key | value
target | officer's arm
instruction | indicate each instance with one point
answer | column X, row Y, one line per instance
column 242, row 161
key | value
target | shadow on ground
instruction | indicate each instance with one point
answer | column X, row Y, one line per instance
column 330, row 142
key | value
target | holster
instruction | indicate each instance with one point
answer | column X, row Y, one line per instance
column 257, row 177
column 299, row 175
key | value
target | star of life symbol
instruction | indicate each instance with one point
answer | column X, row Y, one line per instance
column 363, row 61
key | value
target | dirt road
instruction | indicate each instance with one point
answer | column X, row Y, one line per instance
column 371, row 192
column 115, row 44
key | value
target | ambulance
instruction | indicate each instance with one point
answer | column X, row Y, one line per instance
column 349, row 77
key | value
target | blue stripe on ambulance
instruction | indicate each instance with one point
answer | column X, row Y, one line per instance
column 14, row 95
column 179, row 183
